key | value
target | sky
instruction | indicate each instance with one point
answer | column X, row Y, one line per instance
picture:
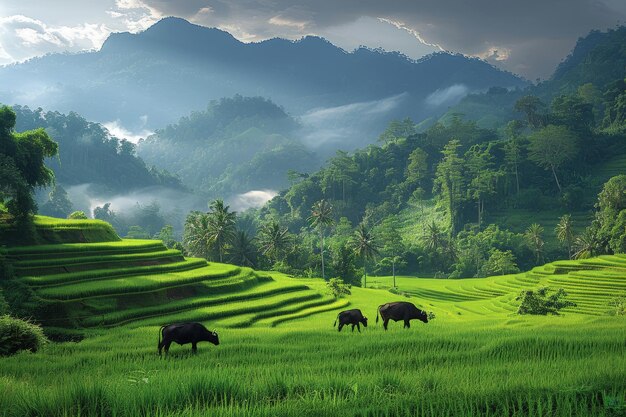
column 526, row 37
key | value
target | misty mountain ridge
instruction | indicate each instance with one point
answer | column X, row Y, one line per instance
column 152, row 78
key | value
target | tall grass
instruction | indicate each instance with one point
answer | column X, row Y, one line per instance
column 479, row 368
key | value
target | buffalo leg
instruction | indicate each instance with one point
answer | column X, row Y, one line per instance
column 407, row 324
column 167, row 347
column 385, row 323
column 340, row 327
column 194, row 348
column 353, row 327
column 358, row 327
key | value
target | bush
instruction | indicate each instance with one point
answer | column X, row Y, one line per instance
column 618, row 306
column 338, row 288
column 77, row 215
column 17, row 335
column 538, row 302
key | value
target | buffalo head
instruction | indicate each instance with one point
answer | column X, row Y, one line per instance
column 364, row 321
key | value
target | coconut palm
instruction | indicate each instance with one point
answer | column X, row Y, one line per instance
column 242, row 250
column 196, row 236
column 221, row 226
column 534, row 239
column 565, row 232
column 585, row 245
column 321, row 216
column 274, row 240
column 364, row 246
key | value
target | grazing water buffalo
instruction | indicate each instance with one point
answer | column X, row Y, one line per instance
column 183, row 333
column 353, row 317
column 400, row 310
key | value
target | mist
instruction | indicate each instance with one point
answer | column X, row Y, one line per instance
column 447, row 96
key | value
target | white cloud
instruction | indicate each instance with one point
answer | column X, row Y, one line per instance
column 447, row 96
column 253, row 198
column 116, row 129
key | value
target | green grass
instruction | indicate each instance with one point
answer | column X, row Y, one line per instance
column 281, row 356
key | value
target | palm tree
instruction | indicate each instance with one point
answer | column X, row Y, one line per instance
column 221, row 226
column 534, row 239
column 273, row 240
column 364, row 246
column 434, row 240
column 242, row 250
column 196, row 236
column 321, row 216
column 564, row 232
column 585, row 245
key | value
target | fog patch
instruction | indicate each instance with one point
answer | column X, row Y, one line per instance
column 350, row 125
column 116, row 129
column 252, row 199
column 447, row 96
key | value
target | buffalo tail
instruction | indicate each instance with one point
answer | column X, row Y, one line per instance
column 336, row 321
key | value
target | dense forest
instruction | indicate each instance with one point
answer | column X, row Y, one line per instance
column 236, row 145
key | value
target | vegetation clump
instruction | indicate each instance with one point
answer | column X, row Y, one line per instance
column 337, row 288
column 618, row 305
column 17, row 335
column 538, row 302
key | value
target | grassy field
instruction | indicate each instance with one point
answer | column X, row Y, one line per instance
column 280, row 355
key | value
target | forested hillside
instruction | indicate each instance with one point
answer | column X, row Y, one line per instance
column 234, row 146
column 154, row 77
column 88, row 153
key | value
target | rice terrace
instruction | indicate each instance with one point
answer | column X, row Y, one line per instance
column 280, row 208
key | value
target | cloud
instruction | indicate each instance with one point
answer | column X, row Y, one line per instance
column 447, row 96
column 253, row 198
column 22, row 37
column 116, row 129
column 347, row 124
column 530, row 36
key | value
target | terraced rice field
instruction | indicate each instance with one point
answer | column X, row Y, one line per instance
column 279, row 354
column 141, row 282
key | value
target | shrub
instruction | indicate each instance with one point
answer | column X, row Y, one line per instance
column 618, row 305
column 77, row 215
column 4, row 306
column 17, row 335
column 338, row 288
column 538, row 302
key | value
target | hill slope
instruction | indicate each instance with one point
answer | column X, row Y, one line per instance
column 175, row 67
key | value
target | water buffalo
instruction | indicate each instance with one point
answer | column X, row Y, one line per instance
column 183, row 333
column 353, row 317
column 400, row 310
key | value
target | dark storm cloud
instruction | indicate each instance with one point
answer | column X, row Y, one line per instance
column 529, row 37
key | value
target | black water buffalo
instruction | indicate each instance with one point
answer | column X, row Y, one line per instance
column 183, row 333
column 400, row 310
column 353, row 317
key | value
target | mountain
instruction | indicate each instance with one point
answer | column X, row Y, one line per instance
column 597, row 61
column 236, row 145
column 152, row 78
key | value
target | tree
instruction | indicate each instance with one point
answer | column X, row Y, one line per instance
column 321, row 217
column 242, row 250
column 22, row 168
column 449, row 180
column 484, row 178
column 196, row 236
column 166, row 235
column 398, row 129
column 531, row 106
column 417, row 167
column 274, row 240
column 513, row 150
column 564, row 231
column 337, row 288
column 59, row 204
column 585, row 245
column 500, row 263
column 538, row 302
column 391, row 242
column 551, row 147
column 221, row 225
column 364, row 246
column 534, row 240
column 343, row 264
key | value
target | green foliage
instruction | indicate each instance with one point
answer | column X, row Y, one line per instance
column 337, row 288
column 77, row 215
column 274, row 240
column 450, row 182
column 499, row 263
column 4, row 306
column 18, row 335
column 608, row 230
column 534, row 240
column 58, row 205
column 22, row 168
column 365, row 246
column 551, row 147
column 343, row 264
column 538, row 302
column 564, row 231
column 137, row 232
column 618, row 305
